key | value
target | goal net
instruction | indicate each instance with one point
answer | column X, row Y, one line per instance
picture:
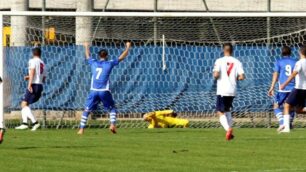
column 169, row 66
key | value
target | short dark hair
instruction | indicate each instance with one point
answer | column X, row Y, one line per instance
column 174, row 114
column 36, row 51
column 286, row 51
column 228, row 46
column 143, row 114
column 103, row 53
column 303, row 50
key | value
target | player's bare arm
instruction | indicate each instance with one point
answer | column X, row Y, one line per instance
column 31, row 76
column 216, row 75
column 274, row 80
column 241, row 77
column 87, row 51
column 26, row 77
column 291, row 77
column 44, row 79
column 125, row 52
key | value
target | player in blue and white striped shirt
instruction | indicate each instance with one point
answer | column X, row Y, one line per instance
column 99, row 90
column 282, row 70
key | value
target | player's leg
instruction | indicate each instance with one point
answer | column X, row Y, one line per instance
column 109, row 104
column 292, row 116
column 278, row 109
column 29, row 98
column 2, row 130
column 37, row 90
column 25, row 110
column 291, row 102
column 223, row 106
column 90, row 105
column 220, row 108
column 300, row 106
column 177, row 122
column 228, row 101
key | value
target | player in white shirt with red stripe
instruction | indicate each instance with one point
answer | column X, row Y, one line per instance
column 36, row 77
column 297, row 97
column 1, row 123
column 227, row 71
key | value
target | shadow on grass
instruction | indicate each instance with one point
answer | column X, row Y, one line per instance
column 53, row 147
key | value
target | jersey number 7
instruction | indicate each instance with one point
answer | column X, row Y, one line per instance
column 99, row 71
column 230, row 67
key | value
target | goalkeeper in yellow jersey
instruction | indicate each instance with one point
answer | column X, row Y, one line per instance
column 165, row 119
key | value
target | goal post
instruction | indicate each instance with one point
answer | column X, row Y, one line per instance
column 169, row 66
column 1, row 73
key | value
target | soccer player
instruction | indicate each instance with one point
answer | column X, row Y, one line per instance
column 164, row 119
column 282, row 70
column 297, row 97
column 36, row 78
column 99, row 91
column 1, row 123
column 227, row 71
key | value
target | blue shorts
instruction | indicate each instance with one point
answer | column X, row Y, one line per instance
column 224, row 103
column 297, row 98
column 33, row 97
column 95, row 97
column 281, row 97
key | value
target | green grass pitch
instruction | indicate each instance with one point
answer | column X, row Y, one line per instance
column 157, row 150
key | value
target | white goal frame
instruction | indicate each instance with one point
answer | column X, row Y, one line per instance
column 129, row 14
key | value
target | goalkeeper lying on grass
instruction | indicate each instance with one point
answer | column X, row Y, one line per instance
column 165, row 119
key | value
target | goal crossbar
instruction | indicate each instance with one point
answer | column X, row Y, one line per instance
column 155, row 14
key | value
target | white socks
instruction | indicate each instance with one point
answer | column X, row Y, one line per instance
column 224, row 122
column 287, row 122
column 229, row 119
column 26, row 113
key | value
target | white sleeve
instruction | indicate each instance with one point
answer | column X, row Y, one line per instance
column 240, row 70
column 297, row 67
column 217, row 66
column 31, row 64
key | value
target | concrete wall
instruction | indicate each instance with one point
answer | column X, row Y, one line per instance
column 171, row 5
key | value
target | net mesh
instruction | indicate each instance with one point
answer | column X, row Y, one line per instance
column 139, row 84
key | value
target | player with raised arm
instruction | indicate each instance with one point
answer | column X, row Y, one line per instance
column 297, row 97
column 36, row 78
column 1, row 123
column 227, row 71
column 282, row 70
column 99, row 90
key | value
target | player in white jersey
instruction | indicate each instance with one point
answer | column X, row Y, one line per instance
column 297, row 97
column 36, row 77
column 1, row 123
column 227, row 71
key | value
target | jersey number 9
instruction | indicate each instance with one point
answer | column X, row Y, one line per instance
column 288, row 70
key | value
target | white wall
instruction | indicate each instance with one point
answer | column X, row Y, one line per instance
column 196, row 5
column 181, row 5
column 288, row 5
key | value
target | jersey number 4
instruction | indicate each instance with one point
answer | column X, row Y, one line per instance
column 230, row 67
column 99, row 71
